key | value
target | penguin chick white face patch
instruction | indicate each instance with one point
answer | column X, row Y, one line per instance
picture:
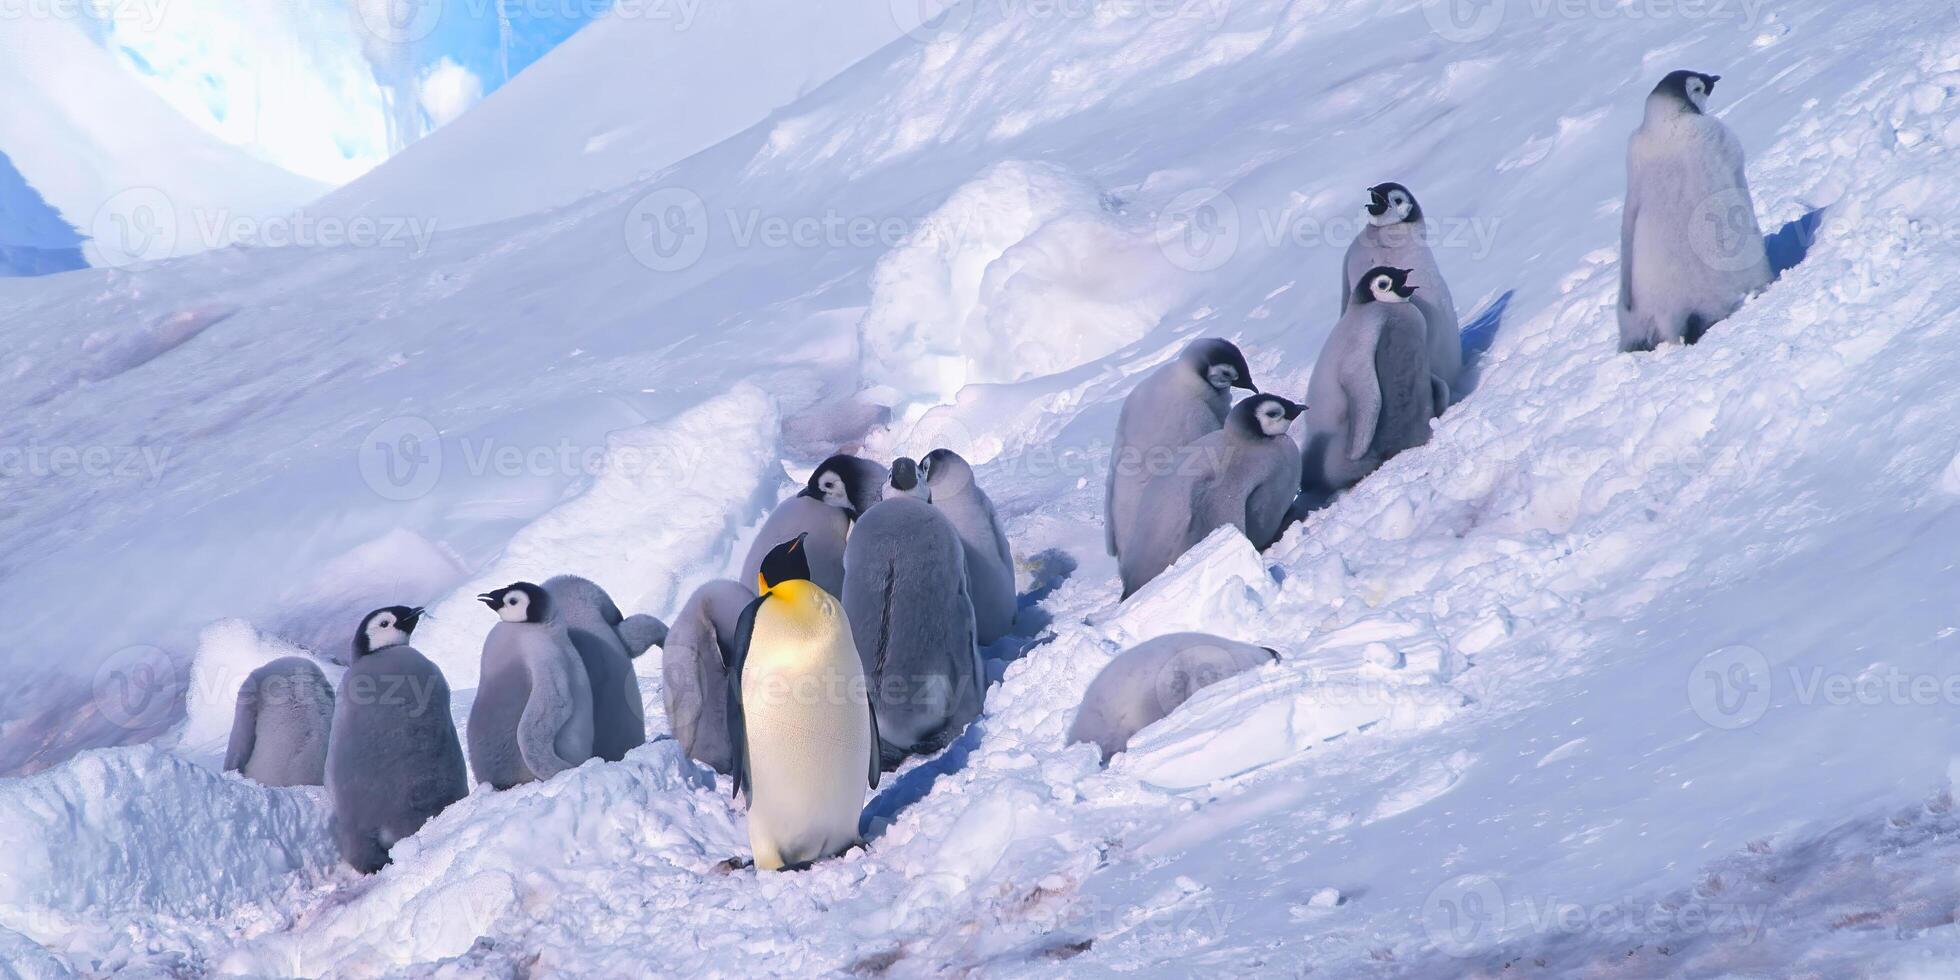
column 515, row 608
column 832, row 487
column 1272, row 419
column 1698, row 93
column 384, row 631
column 1222, row 376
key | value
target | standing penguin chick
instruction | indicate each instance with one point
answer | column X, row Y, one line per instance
column 1370, row 396
column 838, row 492
column 394, row 760
column 906, row 594
column 1244, row 475
column 804, row 762
column 532, row 718
column 279, row 730
column 1690, row 249
column 1165, row 412
column 1147, row 682
column 989, row 559
column 1397, row 236
column 601, row 636
column 694, row 671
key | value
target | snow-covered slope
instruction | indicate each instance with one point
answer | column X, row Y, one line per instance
column 122, row 166
column 631, row 93
column 1641, row 667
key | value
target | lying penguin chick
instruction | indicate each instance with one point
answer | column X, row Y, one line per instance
column 1147, row 682
column 989, row 559
column 1370, row 395
column 1396, row 236
column 1244, row 475
column 694, row 671
column 532, row 718
column 1690, row 249
column 1172, row 408
column 280, row 727
column 805, row 763
column 600, row 635
column 839, row 491
column 905, row 591
column 393, row 760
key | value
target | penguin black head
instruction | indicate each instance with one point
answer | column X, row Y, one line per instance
column 907, row 478
column 1689, row 88
column 945, row 472
column 850, row 483
column 786, row 562
column 1220, row 363
column 1265, row 415
column 1391, row 203
column 519, row 602
column 1384, row 284
column 386, row 627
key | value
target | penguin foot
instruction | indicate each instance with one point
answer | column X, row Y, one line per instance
column 733, row 865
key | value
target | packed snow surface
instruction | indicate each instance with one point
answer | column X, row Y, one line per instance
column 1641, row 667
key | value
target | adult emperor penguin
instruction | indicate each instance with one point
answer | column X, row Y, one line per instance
column 989, row 558
column 280, row 726
column 1147, row 682
column 532, row 718
column 1244, row 475
column 607, row 644
column 803, row 731
column 1370, row 395
column 694, row 670
column 838, row 492
column 1690, row 249
column 394, row 760
column 1397, row 236
column 905, row 591
column 1165, row 412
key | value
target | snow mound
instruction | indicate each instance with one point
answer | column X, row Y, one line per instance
column 119, row 842
column 1024, row 271
column 398, row 568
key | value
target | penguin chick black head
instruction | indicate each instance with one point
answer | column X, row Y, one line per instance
column 786, row 562
column 946, row 472
column 847, row 482
column 1264, row 416
column 385, row 627
column 1391, row 203
column 1384, row 284
column 907, row 479
column 1690, row 89
column 519, row 602
column 1219, row 362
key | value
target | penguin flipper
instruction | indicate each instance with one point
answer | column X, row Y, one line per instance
column 641, row 633
column 1363, row 389
column 548, row 709
column 1627, row 219
column 738, row 733
column 244, row 727
column 877, row 768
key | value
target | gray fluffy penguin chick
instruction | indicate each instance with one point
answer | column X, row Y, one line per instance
column 1690, row 249
column 598, row 632
column 394, row 760
column 694, row 671
column 1370, row 395
column 839, row 490
column 279, row 729
column 1244, row 475
column 1165, row 412
column 1147, row 682
column 989, row 558
column 1398, row 236
column 905, row 595
column 532, row 718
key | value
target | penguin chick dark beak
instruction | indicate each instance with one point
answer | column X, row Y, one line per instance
column 1377, row 204
column 408, row 622
column 1405, row 291
column 811, row 492
column 488, row 599
column 1247, row 384
column 1293, row 410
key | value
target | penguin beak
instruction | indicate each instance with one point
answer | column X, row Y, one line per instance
column 1405, row 291
column 811, row 492
column 1293, row 410
column 408, row 622
column 489, row 599
column 1377, row 204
